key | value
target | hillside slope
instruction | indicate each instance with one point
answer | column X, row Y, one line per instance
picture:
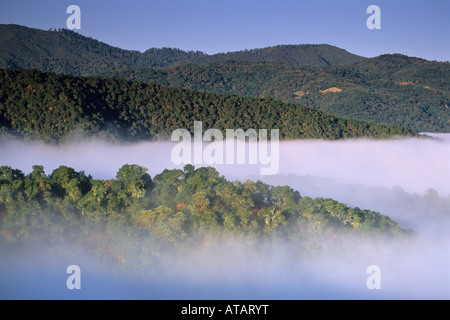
column 52, row 107
column 411, row 92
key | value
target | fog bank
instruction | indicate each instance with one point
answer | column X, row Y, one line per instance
column 409, row 270
column 392, row 177
column 415, row 165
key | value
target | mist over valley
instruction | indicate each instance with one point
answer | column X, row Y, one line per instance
column 395, row 180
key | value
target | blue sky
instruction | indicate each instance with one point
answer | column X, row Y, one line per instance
column 418, row 28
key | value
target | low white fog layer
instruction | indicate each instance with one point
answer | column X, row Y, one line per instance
column 409, row 270
column 392, row 177
column 415, row 165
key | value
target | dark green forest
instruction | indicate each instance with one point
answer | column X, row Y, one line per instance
column 411, row 92
column 53, row 107
column 389, row 89
column 135, row 215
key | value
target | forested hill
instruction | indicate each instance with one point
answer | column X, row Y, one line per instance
column 411, row 92
column 53, row 107
column 65, row 51
column 134, row 217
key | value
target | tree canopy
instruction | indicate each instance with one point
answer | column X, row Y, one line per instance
column 173, row 209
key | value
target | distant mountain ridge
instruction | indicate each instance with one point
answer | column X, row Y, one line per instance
column 66, row 51
column 314, row 55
